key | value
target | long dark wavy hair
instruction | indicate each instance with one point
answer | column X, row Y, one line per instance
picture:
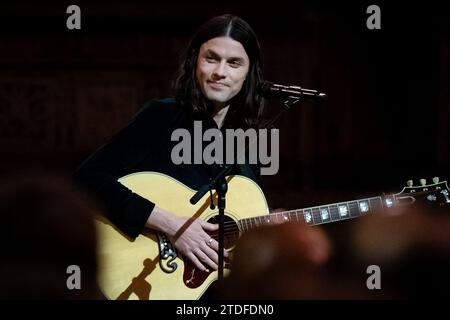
column 247, row 106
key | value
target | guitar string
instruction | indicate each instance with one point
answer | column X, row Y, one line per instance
column 276, row 216
column 231, row 228
column 298, row 212
column 232, row 225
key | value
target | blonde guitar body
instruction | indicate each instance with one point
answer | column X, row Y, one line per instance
column 149, row 267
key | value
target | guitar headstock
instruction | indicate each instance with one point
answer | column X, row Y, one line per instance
column 436, row 192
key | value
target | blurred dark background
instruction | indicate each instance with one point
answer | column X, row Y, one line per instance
column 63, row 92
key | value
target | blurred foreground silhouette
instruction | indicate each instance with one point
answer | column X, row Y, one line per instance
column 47, row 227
column 411, row 247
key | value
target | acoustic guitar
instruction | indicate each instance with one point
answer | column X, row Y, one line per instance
column 150, row 267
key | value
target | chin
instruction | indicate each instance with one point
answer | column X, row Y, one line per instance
column 217, row 98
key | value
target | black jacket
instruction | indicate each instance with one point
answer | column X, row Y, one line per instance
column 145, row 145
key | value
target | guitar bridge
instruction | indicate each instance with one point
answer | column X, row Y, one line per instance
column 167, row 254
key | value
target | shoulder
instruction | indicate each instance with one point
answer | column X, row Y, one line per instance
column 161, row 111
column 160, row 115
column 161, row 107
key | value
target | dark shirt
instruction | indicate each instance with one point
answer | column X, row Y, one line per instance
column 145, row 145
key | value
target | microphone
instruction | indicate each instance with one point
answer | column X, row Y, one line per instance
column 269, row 90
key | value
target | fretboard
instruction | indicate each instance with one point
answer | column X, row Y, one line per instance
column 323, row 214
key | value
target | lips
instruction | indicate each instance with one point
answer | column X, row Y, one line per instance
column 217, row 85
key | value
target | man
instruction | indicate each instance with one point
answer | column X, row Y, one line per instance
column 216, row 85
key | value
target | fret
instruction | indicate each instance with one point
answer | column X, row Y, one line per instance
column 363, row 206
column 280, row 218
column 324, row 215
column 293, row 216
column 353, row 208
column 343, row 210
column 275, row 218
column 334, row 212
column 302, row 215
column 253, row 223
column 307, row 216
column 312, row 218
column 260, row 222
column 249, row 224
column 286, row 216
column 316, row 217
column 389, row 201
column 376, row 204
column 242, row 223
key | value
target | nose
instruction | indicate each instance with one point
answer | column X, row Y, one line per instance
column 220, row 71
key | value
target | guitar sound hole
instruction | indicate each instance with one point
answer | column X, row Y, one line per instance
column 231, row 231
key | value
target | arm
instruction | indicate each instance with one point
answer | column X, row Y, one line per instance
column 129, row 211
column 99, row 174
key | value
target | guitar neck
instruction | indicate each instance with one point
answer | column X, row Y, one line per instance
column 325, row 213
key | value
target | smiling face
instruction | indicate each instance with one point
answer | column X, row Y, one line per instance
column 222, row 66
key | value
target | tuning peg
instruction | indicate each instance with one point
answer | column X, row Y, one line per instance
column 423, row 182
column 409, row 183
column 436, row 180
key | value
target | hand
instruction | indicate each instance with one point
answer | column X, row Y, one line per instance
column 189, row 236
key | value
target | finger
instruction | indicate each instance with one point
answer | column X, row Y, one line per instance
column 209, row 226
column 196, row 262
column 211, row 252
column 215, row 246
column 204, row 258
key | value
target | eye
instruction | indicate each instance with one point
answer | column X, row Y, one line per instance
column 235, row 64
column 210, row 58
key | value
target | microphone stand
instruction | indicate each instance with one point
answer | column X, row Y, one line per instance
column 219, row 184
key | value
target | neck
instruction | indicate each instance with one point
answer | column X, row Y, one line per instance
column 219, row 115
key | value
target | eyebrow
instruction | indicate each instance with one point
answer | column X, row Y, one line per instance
column 216, row 55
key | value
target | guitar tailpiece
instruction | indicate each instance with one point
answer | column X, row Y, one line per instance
column 167, row 254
